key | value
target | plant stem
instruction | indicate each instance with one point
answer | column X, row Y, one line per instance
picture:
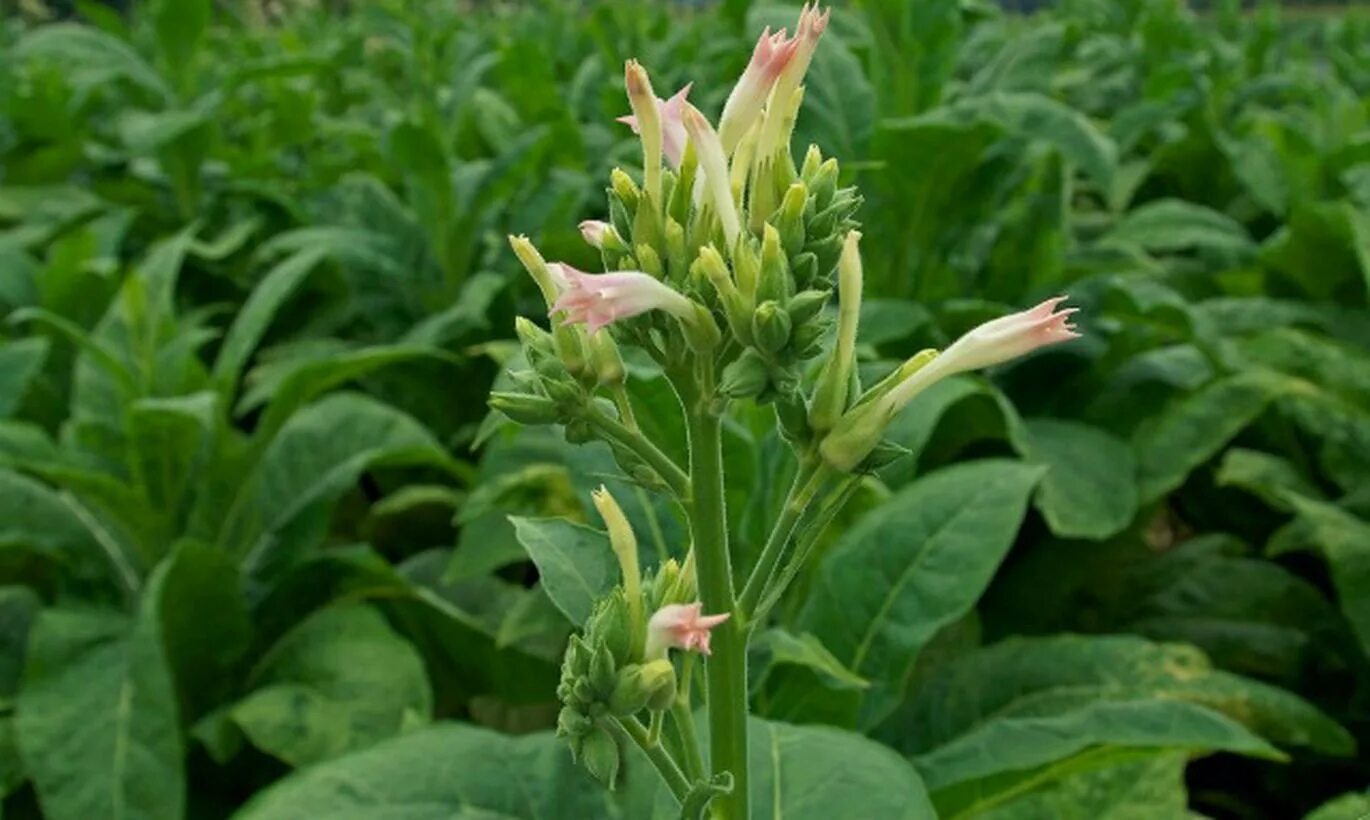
column 726, row 668
column 807, row 482
column 684, row 719
column 828, row 509
column 669, row 471
column 661, row 759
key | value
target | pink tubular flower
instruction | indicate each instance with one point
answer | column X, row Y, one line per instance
column 593, row 230
column 600, row 299
column 680, row 626
column 991, row 343
column 672, row 127
column 772, row 54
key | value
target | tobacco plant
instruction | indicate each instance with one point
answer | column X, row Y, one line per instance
column 719, row 264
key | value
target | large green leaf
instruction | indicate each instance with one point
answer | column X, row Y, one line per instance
column 317, row 457
column 1037, row 677
column 1344, row 540
column 912, row 566
column 1089, row 489
column 1195, row 428
column 20, row 362
column 97, row 719
column 1353, row 806
column 1022, row 714
column 340, row 681
column 574, row 562
column 455, row 772
column 1135, row 787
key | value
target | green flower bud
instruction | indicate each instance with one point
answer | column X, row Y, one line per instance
column 643, row 685
column 535, row 340
column 566, row 394
column 710, row 264
column 790, row 222
column 701, row 332
column 673, row 584
column 770, row 327
column 681, row 200
column 807, row 339
column 775, row 268
column 807, row 304
column 610, row 626
column 624, row 544
column 823, row 184
column 813, row 158
column 571, row 723
column 536, row 267
column 525, row 408
column 804, row 269
column 745, row 377
column 747, row 269
column 577, row 431
column 606, row 361
column 649, row 262
column 622, row 188
column 831, row 393
column 569, row 342
column 599, row 752
column 677, row 265
column 602, row 671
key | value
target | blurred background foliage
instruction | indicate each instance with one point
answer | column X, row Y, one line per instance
column 255, row 287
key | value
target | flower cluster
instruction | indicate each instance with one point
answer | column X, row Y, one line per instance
column 721, row 260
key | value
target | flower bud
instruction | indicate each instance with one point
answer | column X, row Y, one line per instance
column 547, row 279
column 606, row 361
column 647, row 119
column 609, row 625
column 770, row 327
column 701, row 331
column 673, row 584
column 599, row 753
column 650, row 262
column 830, row 394
column 714, row 163
column 807, row 304
column 625, row 191
column 804, row 269
column 812, row 159
column 824, row 184
column 571, row 723
column 775, row 268
column 525, row 408
column 790, row 221
column 537, row 343
column 639, row 686
column 744, row 377
column 677, row 268
column 624, row 544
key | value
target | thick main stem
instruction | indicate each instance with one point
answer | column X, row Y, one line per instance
column 726, row 668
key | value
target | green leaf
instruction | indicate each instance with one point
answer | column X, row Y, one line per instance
column 97, row 720
column 818, row 772
column 89, row 57
column 1196, row 427
column 180, row 26
column 1344, row 541
column 1035, row 677
column 955, row 772
column 317, row 457
column 339, row 682
column 1353, row 806
column 1171, row 225
column 454, row 771
column 1122, row 787
column 913, row 565
column 779, row 647
column 1266, row 476
column 20, row 362
column 575, row 563
column 252, row 320
column 1038, row 117
column 1089, row 489
column 168, row 440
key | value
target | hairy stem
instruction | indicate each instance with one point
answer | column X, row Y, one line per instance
column 669, row 471
column 807, row 482
column 726, row 669
column 665, row 765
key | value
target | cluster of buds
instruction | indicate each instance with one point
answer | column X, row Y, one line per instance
column 620, row 664
column 719, row 265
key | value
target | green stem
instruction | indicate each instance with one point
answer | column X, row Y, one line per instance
column 657, row 754
column 669, row 471
column 828, row 509
column 807, row 482
column 726, row 668
column 685, row 725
